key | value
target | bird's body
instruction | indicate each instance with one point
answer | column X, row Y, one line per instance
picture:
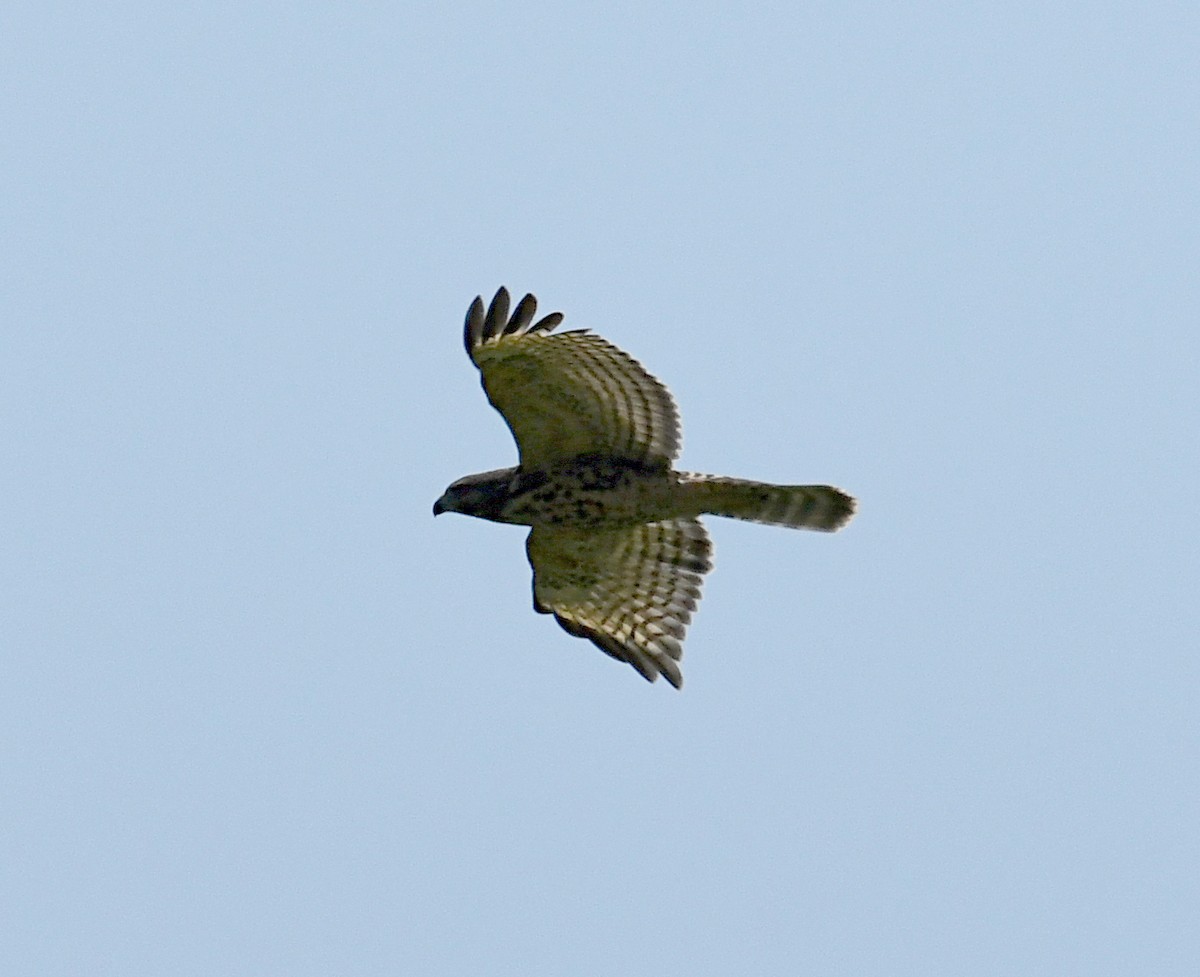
column 616, row 547
column 582, row 492
column 591, row 491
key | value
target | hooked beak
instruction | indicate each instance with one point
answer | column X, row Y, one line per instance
column 438, row 508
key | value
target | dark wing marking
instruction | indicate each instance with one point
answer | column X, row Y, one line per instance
column 631, row 591
column 567, row 394
column 489, row 326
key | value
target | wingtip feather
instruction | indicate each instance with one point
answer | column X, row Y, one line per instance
column 473, row 327
column 547, row 323
column 522, row 316
column 493, row 324
column 497, row 315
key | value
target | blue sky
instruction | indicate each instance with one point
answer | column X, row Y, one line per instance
column 261, row 714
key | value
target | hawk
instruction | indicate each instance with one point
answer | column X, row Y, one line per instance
column 617, row 549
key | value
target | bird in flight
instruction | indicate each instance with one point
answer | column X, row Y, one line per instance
column 617, row 549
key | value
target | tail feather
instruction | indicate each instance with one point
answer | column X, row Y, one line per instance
column 821, row 507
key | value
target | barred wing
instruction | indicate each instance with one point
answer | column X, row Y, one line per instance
column 567, row 394
column 631, row 590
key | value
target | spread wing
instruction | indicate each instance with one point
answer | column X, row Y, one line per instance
column 568, row 394
column 630, row 590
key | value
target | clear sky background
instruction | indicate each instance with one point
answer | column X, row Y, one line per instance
column 262, row 714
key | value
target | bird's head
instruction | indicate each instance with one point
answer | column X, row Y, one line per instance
column 481, row 495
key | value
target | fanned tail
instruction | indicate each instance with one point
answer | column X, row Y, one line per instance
column 820, row 507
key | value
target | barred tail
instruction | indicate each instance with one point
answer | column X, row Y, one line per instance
column 820, row 507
